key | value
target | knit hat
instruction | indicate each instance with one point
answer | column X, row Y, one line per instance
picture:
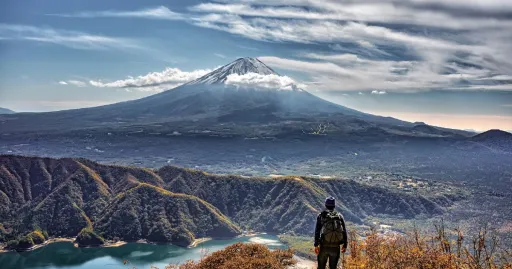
column 330, row 202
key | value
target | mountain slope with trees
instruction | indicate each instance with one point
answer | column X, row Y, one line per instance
column 171, row 204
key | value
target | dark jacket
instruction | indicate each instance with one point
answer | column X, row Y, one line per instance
column 319, row 225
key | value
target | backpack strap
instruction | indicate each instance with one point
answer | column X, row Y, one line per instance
column 323, row 215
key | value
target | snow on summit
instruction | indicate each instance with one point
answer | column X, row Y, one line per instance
column 241, row 66
column 248, row 72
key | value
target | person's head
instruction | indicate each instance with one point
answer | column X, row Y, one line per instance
column 330, row 203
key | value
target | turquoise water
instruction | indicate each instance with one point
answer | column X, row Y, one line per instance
column 65, row 255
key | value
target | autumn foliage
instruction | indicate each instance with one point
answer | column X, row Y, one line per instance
column 242, row 256
column 443, row 251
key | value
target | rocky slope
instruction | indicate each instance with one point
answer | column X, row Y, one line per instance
column 63, row 196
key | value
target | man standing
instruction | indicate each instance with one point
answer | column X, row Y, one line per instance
column 330, row 234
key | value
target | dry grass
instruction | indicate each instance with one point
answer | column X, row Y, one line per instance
column 377, row 251
column 414, row 250
column 242, row 256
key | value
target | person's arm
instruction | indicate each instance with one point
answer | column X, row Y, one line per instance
column 318, row 229
column 345, row 234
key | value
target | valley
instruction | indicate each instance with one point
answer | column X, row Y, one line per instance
column 171, row 204
column 209, row 159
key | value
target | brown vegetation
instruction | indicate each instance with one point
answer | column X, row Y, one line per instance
column 377, row 251
column 242, row 256
column 483, row 251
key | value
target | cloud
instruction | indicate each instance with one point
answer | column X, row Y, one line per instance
column 409, row 45
column 173, row 77
column 308, row 67
column 378, row 92
column 159, row 13
column 325, row 31
column 361, row 11
column 349, row 72
column 220, row 55
column 154, row 81
column 255, row 80
column 72, row 39
column 76, row 83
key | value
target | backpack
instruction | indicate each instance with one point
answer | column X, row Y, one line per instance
column 332, row 229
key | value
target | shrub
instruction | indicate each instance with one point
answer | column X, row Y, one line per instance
column 87, row 237
column 242, row 256
column 12, row 244
column 376, row 251
column 37, row 237
column 45, row 234
column 418, row 251
column 26, row 242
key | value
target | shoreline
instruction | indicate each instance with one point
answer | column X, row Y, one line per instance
column 199, row 241
column 107, row 244
column 111, row 244
column 49, row 241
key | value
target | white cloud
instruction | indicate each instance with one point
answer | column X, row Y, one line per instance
column 77, row 83
column 220, row 55
column 325, row 31
column 409, row 45
column 255, row 80
column 361, row 11
column 73, row 39
column 349, row 72
column 487, row 5
column 308, row 67
column 154, row 81
column 378, row 92
column 160, row 13
column 446, row 44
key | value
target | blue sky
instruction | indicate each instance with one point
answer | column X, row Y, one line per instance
column 446, row 63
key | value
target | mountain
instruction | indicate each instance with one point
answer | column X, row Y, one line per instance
column 494, row 139
column 210, row 101
column 6, row 111
column 493, row 134
column 241, row 66
column 63, row 196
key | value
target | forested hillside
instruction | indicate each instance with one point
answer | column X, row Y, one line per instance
column 63, row 196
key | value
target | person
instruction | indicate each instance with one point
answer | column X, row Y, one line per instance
column 330, row 235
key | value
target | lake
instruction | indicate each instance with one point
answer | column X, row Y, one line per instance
column 65, row 255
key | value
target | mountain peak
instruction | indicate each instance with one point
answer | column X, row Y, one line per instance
column 240, row 66
column 492, row 134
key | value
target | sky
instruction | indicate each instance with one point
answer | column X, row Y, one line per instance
column 445, row 63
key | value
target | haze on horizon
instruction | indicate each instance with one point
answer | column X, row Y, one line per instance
column 446, row 65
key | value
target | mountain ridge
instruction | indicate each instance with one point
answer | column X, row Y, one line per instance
column 6, row 111
column 210, row 103
column 177, row 205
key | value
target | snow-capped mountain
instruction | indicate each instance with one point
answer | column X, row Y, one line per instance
column 210, row 98
column 241, row 66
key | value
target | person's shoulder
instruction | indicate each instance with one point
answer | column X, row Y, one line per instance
column 339, row 214
column 322, row 214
